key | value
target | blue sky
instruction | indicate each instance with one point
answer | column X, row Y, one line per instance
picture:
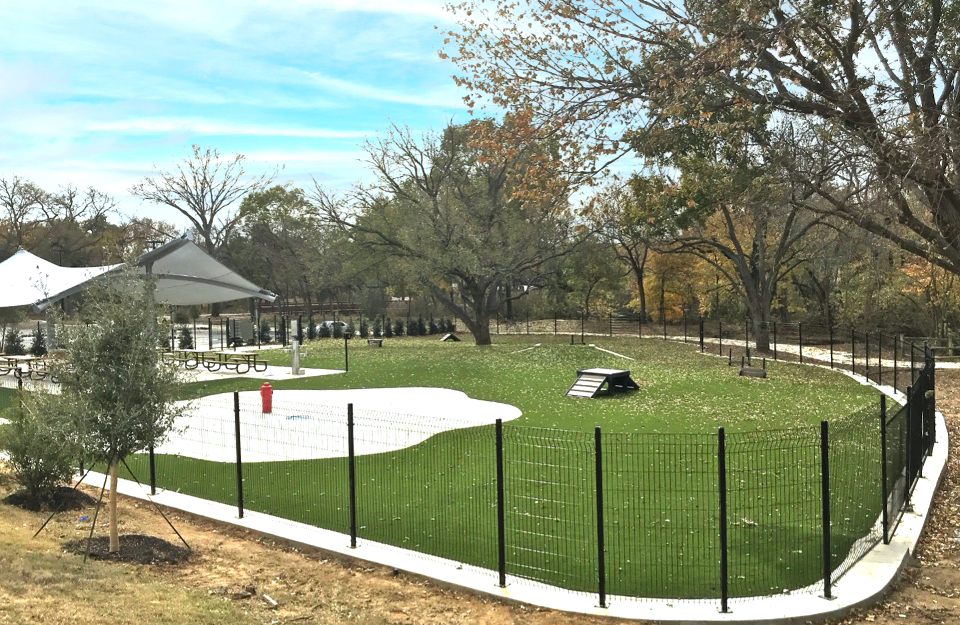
column 101, row 91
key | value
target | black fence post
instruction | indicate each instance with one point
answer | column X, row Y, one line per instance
column 775, row 340
column 800, row 340
column 554, row 324
column 220, row 320
column 640, row 324
column 351, row 478
column 913, row 366
column 684, row 327
column 866, row 355
column 346, row 353
column 880, row 358
column 611, row 323
column 932, row 407
column 701, row 335
column 722, row 487
column 236, row 422
column 601, row 562
column 895, row 339
column 153, row 472
column 501, row 514
column 720, row 334
column 883, row 470
column 831, row 347
column 582, row 321
column 825, row 497
column 209, row 333
column 664, row 315
column 909, row 447
column 853, row 352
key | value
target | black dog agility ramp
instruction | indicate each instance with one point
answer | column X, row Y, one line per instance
column 595, row 382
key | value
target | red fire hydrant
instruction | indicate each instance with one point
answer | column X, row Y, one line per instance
column 266, row 394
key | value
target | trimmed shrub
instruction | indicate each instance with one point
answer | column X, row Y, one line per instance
column 434, row 328
column 39, row 347
column 323, row 331
column 398, row 327
column 13, row 343
column 337, row 330
column 377, row 329
column 311, row 330
column 264, row 332
column 185, row 340
column 349, row 332
column 364, row 330
column 40, row 453
column 387, row 329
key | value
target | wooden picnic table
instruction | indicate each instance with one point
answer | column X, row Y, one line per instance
column 238, row 362
column 189, row 358
column 10, row 363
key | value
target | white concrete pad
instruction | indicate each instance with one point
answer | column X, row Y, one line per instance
column 309, row 424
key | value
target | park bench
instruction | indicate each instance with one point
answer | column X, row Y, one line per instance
column 375, row 342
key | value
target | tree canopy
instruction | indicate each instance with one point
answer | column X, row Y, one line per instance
column 877, row 81
column 474, row 215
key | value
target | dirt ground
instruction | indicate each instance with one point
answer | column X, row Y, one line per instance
column 279, row 584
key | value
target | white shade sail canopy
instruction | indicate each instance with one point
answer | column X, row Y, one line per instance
column 26, row 279
column 185, row 274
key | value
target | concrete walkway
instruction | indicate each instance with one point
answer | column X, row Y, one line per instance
column 863, row 584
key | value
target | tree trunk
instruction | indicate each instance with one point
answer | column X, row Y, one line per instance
column 761, row 335
column 114, row 532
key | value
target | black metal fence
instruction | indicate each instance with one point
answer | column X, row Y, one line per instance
column 641, row 515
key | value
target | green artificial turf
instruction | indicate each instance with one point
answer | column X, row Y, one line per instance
column 659, row 449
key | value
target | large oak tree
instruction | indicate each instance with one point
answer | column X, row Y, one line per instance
column 467, row 214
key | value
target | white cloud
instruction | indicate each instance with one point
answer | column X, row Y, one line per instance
column 162, row 125
column 444, row 98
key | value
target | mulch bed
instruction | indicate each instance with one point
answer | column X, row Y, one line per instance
column 134, row 548
column 60, row 498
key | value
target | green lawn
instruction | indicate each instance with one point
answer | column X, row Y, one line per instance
column 660, row 465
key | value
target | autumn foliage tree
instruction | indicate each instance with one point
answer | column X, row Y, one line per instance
column 877, row 80
column 465, row 214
